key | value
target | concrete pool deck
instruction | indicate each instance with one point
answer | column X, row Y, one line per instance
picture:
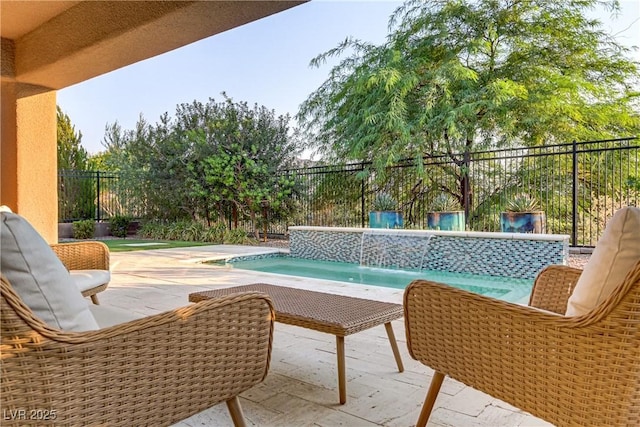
column 300, row 388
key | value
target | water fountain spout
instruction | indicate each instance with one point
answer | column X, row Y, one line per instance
column 425, row 251
column 362, row 247
column 373, row 250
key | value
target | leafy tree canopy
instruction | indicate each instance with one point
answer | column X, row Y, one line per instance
column 209, row 157
column 71, row 154
column 99, row 162
column 458, row 75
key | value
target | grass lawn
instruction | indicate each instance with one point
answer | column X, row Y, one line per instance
column 124, row 245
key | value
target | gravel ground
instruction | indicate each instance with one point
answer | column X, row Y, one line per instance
column 575, row 260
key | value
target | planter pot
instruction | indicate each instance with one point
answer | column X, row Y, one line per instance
column 450, row 221
column 133, row 228
column 102, row 229
column 523, row 222
column 385, row 219
column 65, row 230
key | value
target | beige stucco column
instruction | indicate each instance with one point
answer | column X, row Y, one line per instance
column 28, row 155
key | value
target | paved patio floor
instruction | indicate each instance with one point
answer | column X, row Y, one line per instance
column 301, row 387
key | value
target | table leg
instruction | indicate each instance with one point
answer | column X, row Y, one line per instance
column 394, row 346
column 342, row 381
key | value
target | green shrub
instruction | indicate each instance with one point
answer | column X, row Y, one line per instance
column 153, row 230
column 83, row 229
column 120, row 225
column 175, row 230
column 215, row 233
column 194, row 231
column 236, row 236
column 147, row 229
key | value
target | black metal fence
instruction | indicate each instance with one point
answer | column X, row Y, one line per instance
column 577, row 185
column 96, row 195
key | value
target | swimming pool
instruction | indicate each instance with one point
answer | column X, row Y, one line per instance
column 505, row 288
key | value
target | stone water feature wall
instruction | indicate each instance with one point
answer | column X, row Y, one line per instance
column 494, row 254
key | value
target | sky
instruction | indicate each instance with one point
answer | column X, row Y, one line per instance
column 264, row 62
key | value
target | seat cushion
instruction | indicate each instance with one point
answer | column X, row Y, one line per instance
column 39, row 277
column 89, row 279
column 110, row 316
column 615, row 254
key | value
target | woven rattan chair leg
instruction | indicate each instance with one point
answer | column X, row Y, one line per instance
column 430, row 400
column 235, row 410
column 394, row 346
column 94, row 299
column 342, row 381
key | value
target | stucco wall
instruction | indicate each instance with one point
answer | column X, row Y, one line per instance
column 29, row 169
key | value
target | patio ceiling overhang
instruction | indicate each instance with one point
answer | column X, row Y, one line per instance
column 50, row 45
column 55, row 44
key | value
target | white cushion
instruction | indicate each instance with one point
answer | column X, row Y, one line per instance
column 89, row 279
column 617, row 251
column 110, row 316
column 541, row 310
column 39, row 277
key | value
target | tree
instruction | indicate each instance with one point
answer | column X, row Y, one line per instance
column 456, row 76
column 209, row 159
column 125, row 151
column 237, row 152
column 76, row 190
column 71, row 154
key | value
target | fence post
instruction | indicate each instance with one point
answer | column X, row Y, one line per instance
column 574, row 196
column 466, row 186
column 362, row 204
column 98, row 196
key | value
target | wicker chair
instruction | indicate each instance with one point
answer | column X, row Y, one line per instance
column 570, row 371
column 86, row 256
column 153, row 371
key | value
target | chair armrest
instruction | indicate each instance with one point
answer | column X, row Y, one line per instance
column 83, row 255
column 553, row 287
column 154, row 371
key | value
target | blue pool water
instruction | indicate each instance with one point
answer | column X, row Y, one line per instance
column 505, row 288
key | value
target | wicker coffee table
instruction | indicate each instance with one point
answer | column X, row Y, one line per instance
column 334, row 314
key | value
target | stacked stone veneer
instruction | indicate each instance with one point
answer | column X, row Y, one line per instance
column 494, row 254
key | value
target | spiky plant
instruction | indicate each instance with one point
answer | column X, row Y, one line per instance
column 522, row 203
column 384, row 202
column 444, row 202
